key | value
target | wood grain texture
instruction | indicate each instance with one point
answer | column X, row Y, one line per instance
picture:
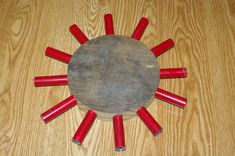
column 204, row 34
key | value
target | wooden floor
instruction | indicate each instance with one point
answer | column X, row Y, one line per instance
column 204, row 34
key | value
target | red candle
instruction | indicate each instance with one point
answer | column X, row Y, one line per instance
column 170, row 98
column 173, row 73
column 149, row 121
column 108, row 24
column 140, row 28
column 58, row 109
column 84, row 127
column 119, row 133
column 78, row 34
column 40, row 81
column 162, row 47
column 58, row 55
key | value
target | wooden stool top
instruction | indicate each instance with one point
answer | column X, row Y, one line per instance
column 113, row 74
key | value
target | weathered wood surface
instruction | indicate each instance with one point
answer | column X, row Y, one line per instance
column 113, row 75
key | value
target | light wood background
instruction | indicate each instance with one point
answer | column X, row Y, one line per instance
column 204, row 33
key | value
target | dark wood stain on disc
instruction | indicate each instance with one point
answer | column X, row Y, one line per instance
column 113, row 74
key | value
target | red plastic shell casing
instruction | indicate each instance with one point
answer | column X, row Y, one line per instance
column 162, row 47
column 58, row 109
column 140, row 28
column 55, row 80
column 58, row 55
column 119, row 136
column 170, row 98
column 84, row 127
column 149, row 121
column 108, row 24
column 173, row 73
column 78, row 34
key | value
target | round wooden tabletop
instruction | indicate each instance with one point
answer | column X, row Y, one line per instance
column 113, row 74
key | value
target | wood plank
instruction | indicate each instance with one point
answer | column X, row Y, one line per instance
column 204, row 35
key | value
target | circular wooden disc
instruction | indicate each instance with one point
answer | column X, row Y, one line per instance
column 113, row 74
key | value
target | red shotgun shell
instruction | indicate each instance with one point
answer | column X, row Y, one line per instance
column 78, row 34
column 119, row 136
column 84, row 127
column 140, row 28
column 170, row 98
column 149, row 121
column 58, row 55
column 162, row 47
column 58, row 109
column 40, row 81
column 173, row 73
column 108, row 24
